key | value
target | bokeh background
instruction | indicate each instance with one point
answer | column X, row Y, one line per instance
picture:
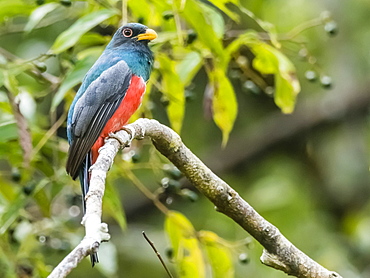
column 306, row 172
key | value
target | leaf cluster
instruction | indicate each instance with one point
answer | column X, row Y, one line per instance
column 39, row 210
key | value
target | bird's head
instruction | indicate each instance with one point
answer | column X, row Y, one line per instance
column 133, row 34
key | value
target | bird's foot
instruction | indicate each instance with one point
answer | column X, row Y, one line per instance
column 99, row 233
column 123, row 143
column 104, row 235
column 130, row 130
column 95, row 229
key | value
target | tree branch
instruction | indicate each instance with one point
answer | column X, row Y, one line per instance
column 74, row 258
column 24, row 134
column 279, row 253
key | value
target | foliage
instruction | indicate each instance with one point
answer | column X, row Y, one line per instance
column 187, row 245
column 214, row 59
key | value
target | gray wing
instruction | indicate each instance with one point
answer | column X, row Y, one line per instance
column 93, row 110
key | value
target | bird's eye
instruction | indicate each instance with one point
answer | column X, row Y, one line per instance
column 127, row 32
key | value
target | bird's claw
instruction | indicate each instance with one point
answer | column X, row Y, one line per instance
column 104, row 235
column 130, row 130
column 119, row 139
column 124, row 144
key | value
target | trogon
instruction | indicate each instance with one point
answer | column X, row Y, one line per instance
column 110, row 93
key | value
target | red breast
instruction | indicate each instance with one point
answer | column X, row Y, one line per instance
column 130, row 103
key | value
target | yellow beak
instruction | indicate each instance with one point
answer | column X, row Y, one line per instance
column 149, row 34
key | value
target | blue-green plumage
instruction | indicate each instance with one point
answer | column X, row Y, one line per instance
column 126, row 62
column 138, row 57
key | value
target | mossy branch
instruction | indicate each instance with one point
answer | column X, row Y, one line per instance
column 279, row 253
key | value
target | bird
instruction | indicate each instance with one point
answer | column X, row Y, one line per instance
column 111, row 91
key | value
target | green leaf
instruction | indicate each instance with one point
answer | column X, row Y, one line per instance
column 271, row 31
column 2, row 77
column 93, row 39
column 70, row 37
column 8, row 76
column 215, row 19
column 286, row 92
column 200, row 20
column 10, row 82
column 174, row 90
column 38, row 14
column 43, row 201
column 150, row 10
column 219, row 256
column 11, row 213
column 270, row 60
column 14, row 8
column 224, row 103
column 266, row 26
column 187, row 254
column 178, row 226
column 248, row 38
column 28, row 240
column 188, row 67
column 74, row 77
column 13, row 209
column 7, row 190
column 8, row 131
column 92, row 52
column 8, row 258
column 221, row 4
column 113, row 207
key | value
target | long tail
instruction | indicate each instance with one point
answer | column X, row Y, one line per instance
column 85, row 183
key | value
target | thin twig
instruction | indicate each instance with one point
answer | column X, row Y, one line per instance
column 289, row 36
column 279, row 253
column 25, row 139
column 139, row 185
column 248, row 71
column 48, row 134
column 302, row 27
column 124, row 12
column 158, row 254
column 33, row 71
column 178, row 21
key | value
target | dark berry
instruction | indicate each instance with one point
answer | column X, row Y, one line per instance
column 169, row 253
column 192, row 36
column 311, row 75
column 252, row 87
column 189, row 194
column 326, row 82
column 135, row 158
column 41, row 67
column 331, row 28
column 174, row 173
column 243, row 258
column 66, row 3
column 16, row 175
column 167, row 15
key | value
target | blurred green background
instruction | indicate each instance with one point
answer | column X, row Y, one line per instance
column 305, row 172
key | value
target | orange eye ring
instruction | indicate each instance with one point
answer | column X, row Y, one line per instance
column 127, row 32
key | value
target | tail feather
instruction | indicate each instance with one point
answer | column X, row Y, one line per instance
column 85, row 183
column 85, row 179
column 94, row 259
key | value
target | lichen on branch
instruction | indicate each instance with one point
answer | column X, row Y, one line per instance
column 279, row 252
